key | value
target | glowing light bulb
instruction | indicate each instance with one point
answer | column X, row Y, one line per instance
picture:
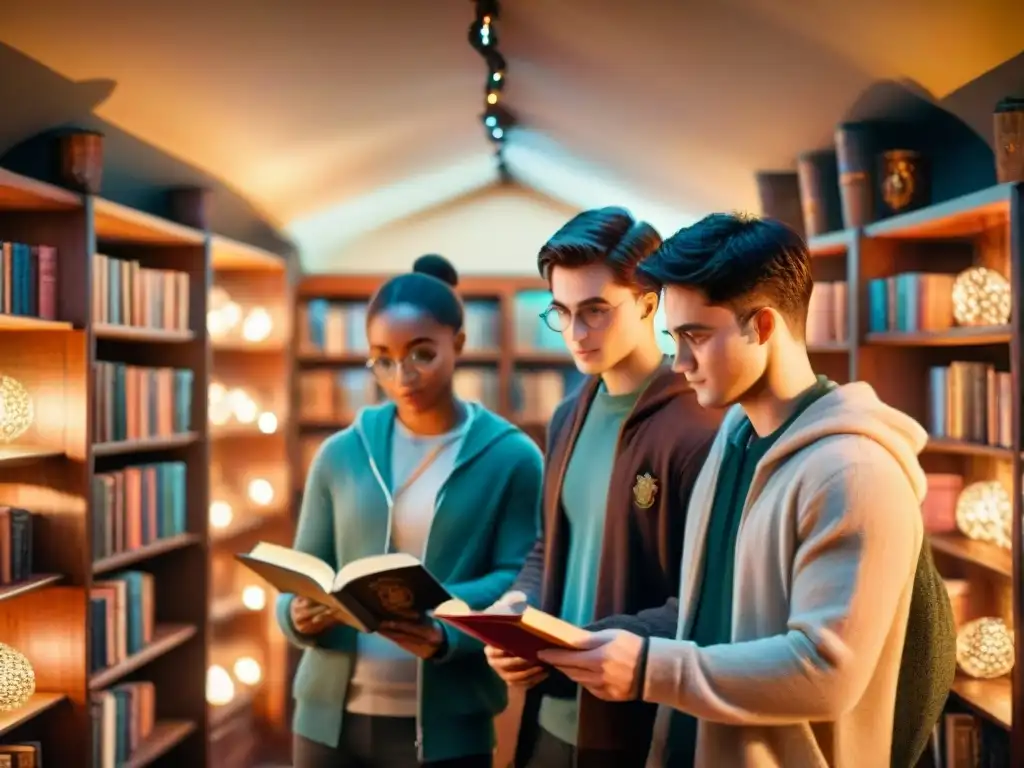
column 215, row 323
column 492, row 98
column 497, row 133
column 248, row 670
column 254, row 597
column 261, row 492
column 220, row 688
column 258, row 325
column 220, row 514
column 243, row 406
column 231, row 314
column 267, row 423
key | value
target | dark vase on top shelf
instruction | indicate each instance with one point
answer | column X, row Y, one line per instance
column 779, row 193
column 81, row 161
column 856, row 147
column 819, row 192
column 904, row 178
column 1008, row 122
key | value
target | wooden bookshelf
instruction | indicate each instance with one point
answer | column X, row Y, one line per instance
column 982, row 228
column 51, row 471
column 248, row 444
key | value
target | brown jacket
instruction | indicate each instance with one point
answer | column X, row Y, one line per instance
column 662, row 446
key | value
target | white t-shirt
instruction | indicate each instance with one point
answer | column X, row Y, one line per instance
column 384, row 679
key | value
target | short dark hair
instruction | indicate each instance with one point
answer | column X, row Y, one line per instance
column 608, row 236
column 738, row 261
column 430, row 287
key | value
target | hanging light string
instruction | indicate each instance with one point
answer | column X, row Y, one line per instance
column 497, row 119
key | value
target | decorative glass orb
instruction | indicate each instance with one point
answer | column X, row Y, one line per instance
column 983, row 513
column 17, row 679
column 258, row 325
column 16, row 409
column 984, row 648
column 248, row 670
column 220, row 688
column 981, row 296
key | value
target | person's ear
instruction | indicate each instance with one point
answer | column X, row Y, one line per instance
column 649, row 301
column 764, row 324
column 459, row 342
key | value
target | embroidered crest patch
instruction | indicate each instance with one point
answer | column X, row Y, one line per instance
column 644, row 491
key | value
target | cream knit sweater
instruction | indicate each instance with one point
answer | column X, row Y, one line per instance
column 825, row 561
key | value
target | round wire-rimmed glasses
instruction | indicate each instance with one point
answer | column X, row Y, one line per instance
column 418, row 361
column 596, row 317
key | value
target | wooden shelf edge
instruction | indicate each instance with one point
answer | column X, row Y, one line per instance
column 119, row 223
column 17, row 455
column 166, row 638
column 940, row 219
column 964, row 448
column 153, row 549
column 227, row 254
column 831, row 243
column 144, row 444
column 37, row 705
column 24, row 193
column 26, row 323
column 34, row 582
column 166, row 735
column 979, row 553
column 992, row 699
column 829, row 348
column 112, row 332
column 951, row 337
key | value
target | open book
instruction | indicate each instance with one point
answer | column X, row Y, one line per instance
column 364, row 593
column 516, row 629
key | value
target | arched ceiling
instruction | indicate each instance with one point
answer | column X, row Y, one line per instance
column 331, row 115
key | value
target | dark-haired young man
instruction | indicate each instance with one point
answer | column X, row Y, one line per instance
column 805, row 574
column 623, row 452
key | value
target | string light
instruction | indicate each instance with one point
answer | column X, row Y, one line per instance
column 497, row 119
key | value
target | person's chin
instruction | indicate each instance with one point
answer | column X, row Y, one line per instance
column 590, row 364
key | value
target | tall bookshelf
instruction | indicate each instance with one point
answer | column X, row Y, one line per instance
column 984, row 228
column 53, row 470
column 249, row 321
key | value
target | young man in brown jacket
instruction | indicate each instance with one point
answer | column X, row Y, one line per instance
column 622, row 455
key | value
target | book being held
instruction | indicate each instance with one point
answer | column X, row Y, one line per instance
column 363, row 593
column 515, row 628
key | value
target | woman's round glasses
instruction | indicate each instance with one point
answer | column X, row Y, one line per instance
column 417, row 361
column 596, row 317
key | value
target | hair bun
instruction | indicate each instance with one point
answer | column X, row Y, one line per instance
column 437, row 266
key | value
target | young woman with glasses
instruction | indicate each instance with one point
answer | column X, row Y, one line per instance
column 434, row 476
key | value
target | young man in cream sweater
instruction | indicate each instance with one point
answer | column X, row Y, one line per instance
column 803, row 533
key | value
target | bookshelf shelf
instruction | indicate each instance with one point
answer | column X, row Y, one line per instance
column 249, row 347
column 242, row 527
column 952, row 337
column 166, row 735
column 228, row 254
column 144, row 444
column 156, row 548
column 979, row 553
column 166, row 637
column 222, row 713
column 21, row 323
column 139, row 334
column 227, row 608
column 39, row 581
column 964, row 448
column 964, row 216
column 118, row 223
column 20, row 455
column 992, row 699
column 542, row 358
column 832, row 243
column 829, row 348
column 351, row 358
column 37, row 705
column 20, row 193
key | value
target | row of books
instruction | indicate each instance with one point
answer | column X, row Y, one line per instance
column 28, row 280
column 827, row 315
column 122, row 613
column 133, row 402
column 137, row 505
column 972, row 742
column 15, row 545
column 126, row 293
column 909, row 302
column 971, row 401
column 123, row 717
column 339, row 328
column 28, row 754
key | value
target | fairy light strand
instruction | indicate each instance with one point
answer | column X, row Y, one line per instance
column 497, row 119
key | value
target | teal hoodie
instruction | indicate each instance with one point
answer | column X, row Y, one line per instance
column 485, row 522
